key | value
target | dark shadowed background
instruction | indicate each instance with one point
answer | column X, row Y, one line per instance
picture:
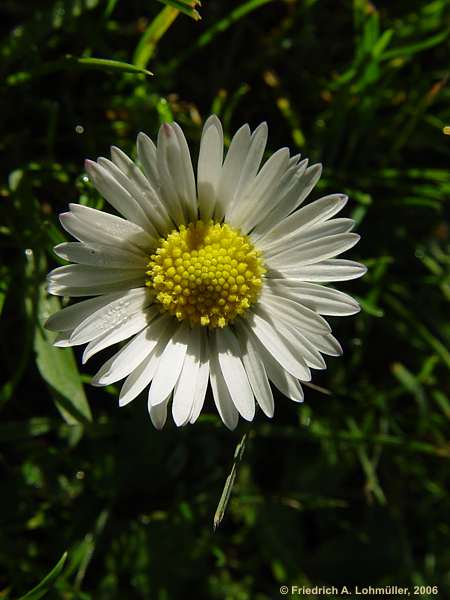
column 349, row 488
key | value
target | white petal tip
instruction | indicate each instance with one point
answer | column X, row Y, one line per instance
column 230, row 426
column 263, row 126
column 124, row 401
column 249, row 416
column 100, row 381
column 213, row 119
column 61, row 344
column 64, row 217
column 166, row 130
column 48, row 324
column 89, row 165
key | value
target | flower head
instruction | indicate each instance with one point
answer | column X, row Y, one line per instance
column 216, row 280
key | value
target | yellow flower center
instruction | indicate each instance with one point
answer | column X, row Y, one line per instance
column 207, row 273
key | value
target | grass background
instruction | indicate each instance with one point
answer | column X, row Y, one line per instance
column 349, row 488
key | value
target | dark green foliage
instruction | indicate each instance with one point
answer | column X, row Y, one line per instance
column 349, row 488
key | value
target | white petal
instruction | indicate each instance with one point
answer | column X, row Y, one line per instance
column 140, row 378
column 129, row 326
column 327, row 344
column 288, row 385
column 249, row 167
column 256, row 372
column 309, row 234
column 294, row 160
column 91, row 225
column 62, row 340
column 315, row 212
column 209, row 166
column 324, row 300
column 116, row 195
column 146, row 151
column 93, row 290
column 313, row 252
column 134, row 181
column 127, row 175
column 171, row 166
column 336, row 269
column 82, row 280
column 308, row 180
column 114, row 314
column 184, row 392
column 284, row 317
column 260, row 324
column 231, row 170
column 261, row 193
column 187, row 191
column 158, row 413
column 132, row 354
column 299, row 315
column 229, row 352
column 202, row 381
column 170, row 365
column 221, row 395
column 86, row 275
column 284, row 381
column 70, row 317
column 298, row 340
column 286, row 186
column 100, row 255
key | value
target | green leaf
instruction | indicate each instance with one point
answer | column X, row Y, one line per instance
column 73, row 62
column 47, row 583
column 226, row 493
column 5, row 280
column 59, row 369
column 219, row 27
column 105, row 64
column 234, row 16
column 408, row 51
column 409, row 381
column 185, row 6
column 154, row 32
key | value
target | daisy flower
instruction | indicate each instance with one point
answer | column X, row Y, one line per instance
column 215, row 280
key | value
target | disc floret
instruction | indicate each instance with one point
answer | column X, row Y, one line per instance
column 207, row 273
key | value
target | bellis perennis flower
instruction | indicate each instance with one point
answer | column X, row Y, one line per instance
column 216, row 280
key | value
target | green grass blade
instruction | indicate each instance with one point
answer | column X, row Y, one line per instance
column 47, row 583
column 154, row 32
column 411, row 49
column 184, row 6
column 106, row 65
column 59, row 369
column 229, row 482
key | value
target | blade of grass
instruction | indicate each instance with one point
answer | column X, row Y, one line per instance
column 154, row 32
column 73, row 62
column 228, row 487
column 47, row 583
column 59, row 369
column 219, row 27
column 320, row 431
column 185, row 6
